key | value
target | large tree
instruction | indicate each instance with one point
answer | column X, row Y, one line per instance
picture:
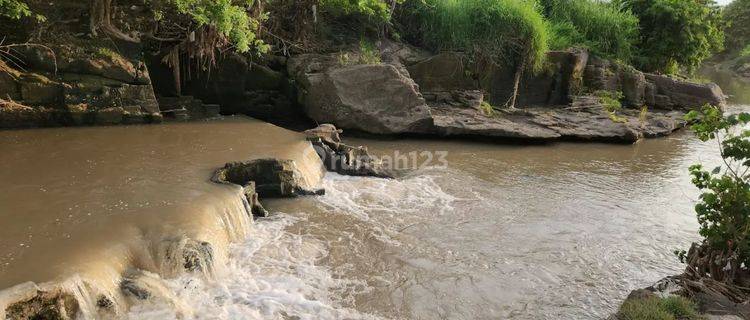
column 737, row 17
column 676, row 33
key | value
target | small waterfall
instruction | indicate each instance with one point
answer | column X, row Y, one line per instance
column 200, row 249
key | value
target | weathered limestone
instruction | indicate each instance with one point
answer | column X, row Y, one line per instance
column 375, row 98
column 344, row 159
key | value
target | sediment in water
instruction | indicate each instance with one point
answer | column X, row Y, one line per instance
column 83, row 258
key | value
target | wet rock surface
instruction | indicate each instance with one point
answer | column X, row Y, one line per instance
column 272, row 177
column 32, row 302
column 345, row 159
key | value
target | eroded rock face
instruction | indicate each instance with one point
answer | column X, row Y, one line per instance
column 373, row 98
column 342, row 158
column 272, row 177
column 652, row 90
column 70, row 88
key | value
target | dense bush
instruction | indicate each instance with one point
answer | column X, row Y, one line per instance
column 675, row 33
column 724, row 207
column 508, row 30
column 599, row 26
column 378, row 10
column 230, row 18
column 737, row 17
column 510, row 33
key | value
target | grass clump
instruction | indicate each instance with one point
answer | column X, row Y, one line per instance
column 368, row 54
column 506, row 31
column 670, row 308
column 611, row 102
column 601, row 27
column 487, row 109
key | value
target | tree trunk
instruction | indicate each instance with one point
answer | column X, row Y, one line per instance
column 516, row 84
column 101, row 20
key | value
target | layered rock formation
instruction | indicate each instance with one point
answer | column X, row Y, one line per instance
column 72, row 86
column 559, row 103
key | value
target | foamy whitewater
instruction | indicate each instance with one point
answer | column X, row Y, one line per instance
column 276, row 274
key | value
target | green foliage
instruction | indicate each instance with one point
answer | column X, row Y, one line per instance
column 611, row 102
column 723, row 209
column 675, row 33
column 368, row 54
column 737, row 18
column 373, row 9
column 745, row 52
column 670, row 308
column 487, row 109
column 230, row 18
column 506, row 32
column 601, row 27
column 14, row 9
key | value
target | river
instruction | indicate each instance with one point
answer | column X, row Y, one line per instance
column 559, row 231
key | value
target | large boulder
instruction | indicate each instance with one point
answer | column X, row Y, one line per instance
column 373, row 98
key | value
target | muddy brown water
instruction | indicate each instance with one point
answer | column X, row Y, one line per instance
column 560, row 231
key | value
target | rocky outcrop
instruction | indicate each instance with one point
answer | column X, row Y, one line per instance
column 450, row 72
column 655, row 91
column 345, row 159
column 70, row 87
column 585, row 120
column 373, row 98
column 272, row 177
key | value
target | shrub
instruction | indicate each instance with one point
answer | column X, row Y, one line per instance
column 374, row 9
column 231, row 20
column 675, row 33
column 599, row 26
column 723, row 208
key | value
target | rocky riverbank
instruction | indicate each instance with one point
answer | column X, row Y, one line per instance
column 402, row 90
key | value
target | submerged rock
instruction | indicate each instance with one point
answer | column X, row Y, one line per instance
column 29, row 301
column 342, row 158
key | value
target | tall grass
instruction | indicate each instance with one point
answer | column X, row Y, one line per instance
column 599, row 26
column 509, row 32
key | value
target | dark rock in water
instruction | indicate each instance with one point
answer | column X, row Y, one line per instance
column 273, row 177
column 142, row 285
column 198, row 256
column 31, row 302
column 344, row 159
column 374, row 98
column 253, row 200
